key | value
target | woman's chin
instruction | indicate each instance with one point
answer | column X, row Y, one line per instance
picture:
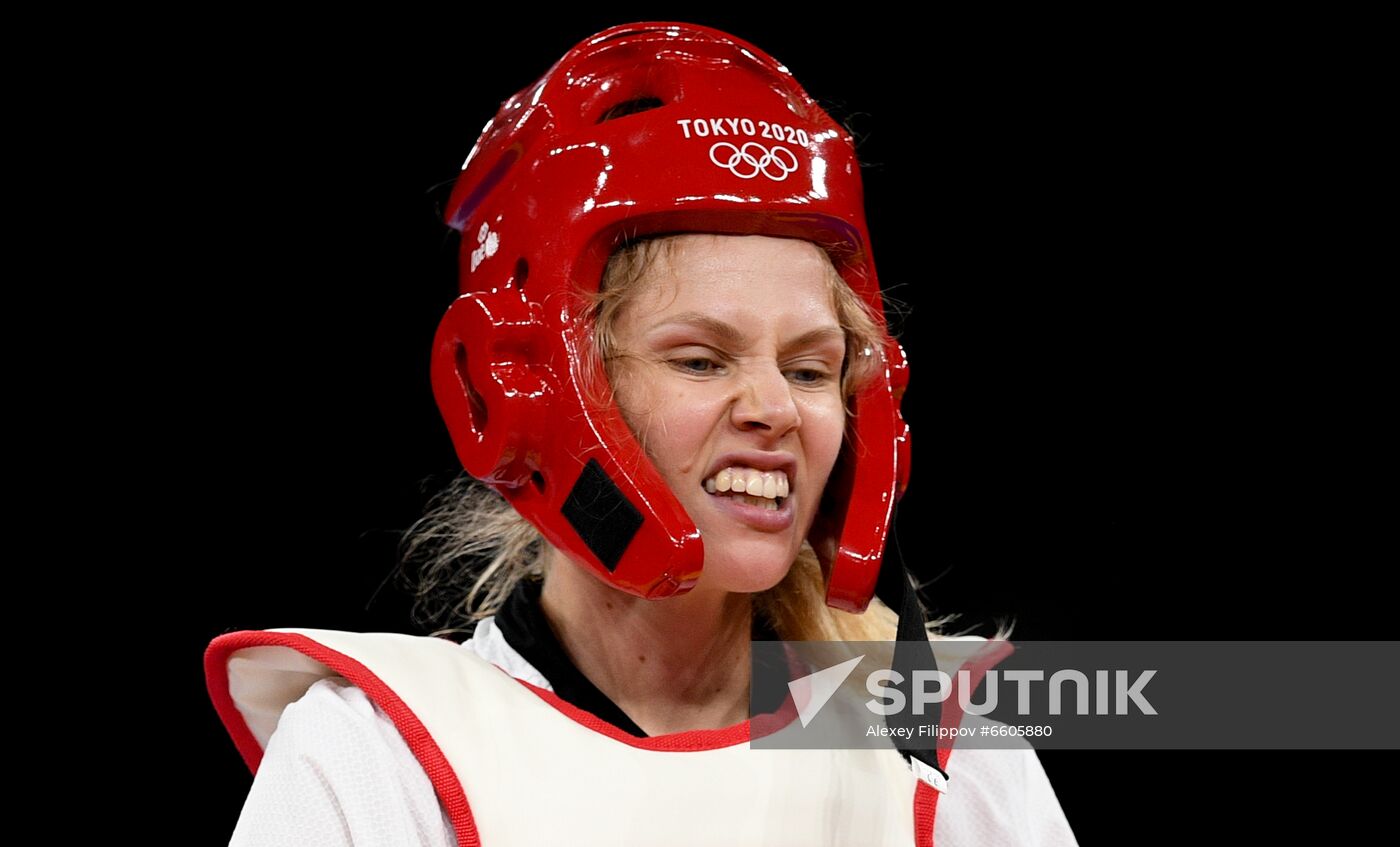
column 746, row 571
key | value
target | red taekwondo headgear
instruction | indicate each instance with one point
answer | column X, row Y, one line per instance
column 644, row 129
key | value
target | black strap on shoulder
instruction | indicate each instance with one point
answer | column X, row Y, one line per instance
column 912, row 652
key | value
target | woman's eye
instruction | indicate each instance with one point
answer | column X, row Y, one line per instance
column 695, row 364
column 809, row 376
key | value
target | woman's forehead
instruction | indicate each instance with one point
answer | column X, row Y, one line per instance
column 686, row 249
column 733, row 274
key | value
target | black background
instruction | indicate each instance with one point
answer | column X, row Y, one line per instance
column 1138, row 413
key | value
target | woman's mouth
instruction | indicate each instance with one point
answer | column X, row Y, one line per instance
column 764, row 489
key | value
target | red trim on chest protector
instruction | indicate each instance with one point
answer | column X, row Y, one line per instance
column 425, row 749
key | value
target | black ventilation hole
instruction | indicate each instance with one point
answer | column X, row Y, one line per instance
column 631, row 107
column 522, row 272
column 538, row 479
column 478, row 405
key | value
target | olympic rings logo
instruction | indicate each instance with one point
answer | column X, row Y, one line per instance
column 753, row 159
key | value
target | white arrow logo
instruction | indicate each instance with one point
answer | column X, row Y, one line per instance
column 811, row 692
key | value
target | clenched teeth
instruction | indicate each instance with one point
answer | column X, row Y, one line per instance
column 760, row 488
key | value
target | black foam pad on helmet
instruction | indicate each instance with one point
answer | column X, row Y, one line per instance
column 602, row 516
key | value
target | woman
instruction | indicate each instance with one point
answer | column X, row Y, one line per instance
column 669, row 360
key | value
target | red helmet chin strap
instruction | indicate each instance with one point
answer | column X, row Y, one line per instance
column 645, row 129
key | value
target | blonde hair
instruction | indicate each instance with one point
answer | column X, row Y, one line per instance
column 474, row 548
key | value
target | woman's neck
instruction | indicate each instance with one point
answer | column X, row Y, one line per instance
column 670, row 665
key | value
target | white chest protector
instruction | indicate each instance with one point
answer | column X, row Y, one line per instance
column 513, row 764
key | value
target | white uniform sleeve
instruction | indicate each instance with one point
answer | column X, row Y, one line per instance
column 337, row 773
column 1000, row 798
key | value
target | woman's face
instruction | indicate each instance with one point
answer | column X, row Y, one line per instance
column 732, row 377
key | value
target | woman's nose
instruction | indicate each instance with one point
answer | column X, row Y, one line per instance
column 765, row 402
